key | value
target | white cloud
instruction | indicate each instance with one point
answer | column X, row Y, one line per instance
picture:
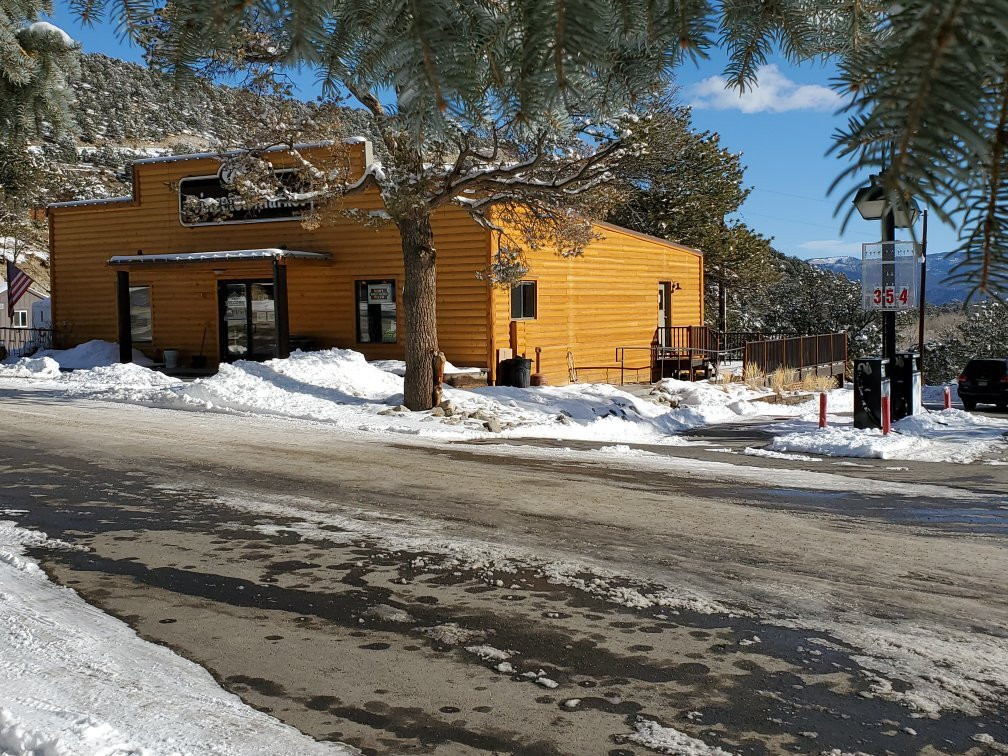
column 773, row 93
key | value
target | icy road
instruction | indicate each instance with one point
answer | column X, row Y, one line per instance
column 526, row 598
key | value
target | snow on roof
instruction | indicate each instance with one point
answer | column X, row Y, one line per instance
column 84, row 203
column 231, row 254
column 206, row 155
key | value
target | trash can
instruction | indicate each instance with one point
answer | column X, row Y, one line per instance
column 905, row 378
column 871, row 383
column 521, row 372
column 171, row 359
column 505, row 370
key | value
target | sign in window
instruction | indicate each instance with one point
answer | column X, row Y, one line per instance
column 376, row 312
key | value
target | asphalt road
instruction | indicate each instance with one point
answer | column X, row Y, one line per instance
column 339, row 582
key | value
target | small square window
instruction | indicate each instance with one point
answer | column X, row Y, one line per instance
column 376, row 312
column 523, row 300
column 20, row 319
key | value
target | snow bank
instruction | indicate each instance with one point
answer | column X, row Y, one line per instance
column 398, row 367
column 77, row 681
column 338, row 386
column 31, row 367
column 947, row 436
column 91, row 354
column 669, row 740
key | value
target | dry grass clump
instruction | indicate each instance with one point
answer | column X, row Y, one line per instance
column 753, row 377
column 723, row 380
column 817, row 383
column 782, row 379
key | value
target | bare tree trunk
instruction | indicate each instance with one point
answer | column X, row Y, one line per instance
column 420, row 302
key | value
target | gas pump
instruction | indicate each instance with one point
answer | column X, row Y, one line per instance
column 905, row 376
column 871, row 384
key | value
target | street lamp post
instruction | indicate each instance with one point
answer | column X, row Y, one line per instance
column 889, row 280
column 873, row 203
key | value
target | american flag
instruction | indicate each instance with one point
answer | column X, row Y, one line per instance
column 17, row 284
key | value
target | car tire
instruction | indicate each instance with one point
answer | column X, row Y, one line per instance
column 969, row 404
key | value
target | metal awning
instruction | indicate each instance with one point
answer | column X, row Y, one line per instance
column 231, row 255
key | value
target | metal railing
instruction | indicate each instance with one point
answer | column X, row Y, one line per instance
column 801, row 353
column 24, row 342
column 691, row 349
column 706, row 339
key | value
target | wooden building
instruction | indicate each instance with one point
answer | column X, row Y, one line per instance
column 259, row 284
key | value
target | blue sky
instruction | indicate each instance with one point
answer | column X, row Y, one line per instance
column 783, row 129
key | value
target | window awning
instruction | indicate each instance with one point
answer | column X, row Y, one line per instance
column 231, row 255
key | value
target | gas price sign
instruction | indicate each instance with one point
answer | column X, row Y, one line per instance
column 890, row 275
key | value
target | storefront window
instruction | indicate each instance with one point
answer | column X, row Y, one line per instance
column 141, row 324
column 376, row 312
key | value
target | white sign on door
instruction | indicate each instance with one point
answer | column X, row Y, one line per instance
column 381, row 293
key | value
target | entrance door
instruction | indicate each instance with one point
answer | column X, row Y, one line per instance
column 664, row 312
column 247, row 320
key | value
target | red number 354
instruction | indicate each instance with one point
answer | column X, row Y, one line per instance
column 889, row 296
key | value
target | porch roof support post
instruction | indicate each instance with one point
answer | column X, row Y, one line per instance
column 280, row 306
column 123, row 309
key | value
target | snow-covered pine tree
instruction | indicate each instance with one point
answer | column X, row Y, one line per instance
column 926, row 80
column 36, row 61
column 472, row 104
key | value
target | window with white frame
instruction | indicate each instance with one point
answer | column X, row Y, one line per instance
column 20, row 319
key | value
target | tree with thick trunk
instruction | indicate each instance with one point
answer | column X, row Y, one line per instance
column 420, row 302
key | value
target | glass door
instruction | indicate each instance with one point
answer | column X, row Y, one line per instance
column 247, row 320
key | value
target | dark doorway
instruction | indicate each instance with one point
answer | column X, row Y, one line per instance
column 248, row 326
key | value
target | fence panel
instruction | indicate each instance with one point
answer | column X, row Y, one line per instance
column 801, row 353
column 24, row 342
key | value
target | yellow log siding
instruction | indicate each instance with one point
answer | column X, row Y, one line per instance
column 321, row 295
column 588, row 305
column 605, row 299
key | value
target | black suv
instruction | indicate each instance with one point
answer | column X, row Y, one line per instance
column 984, row 381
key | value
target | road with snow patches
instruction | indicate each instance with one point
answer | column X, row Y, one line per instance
column 407, row 597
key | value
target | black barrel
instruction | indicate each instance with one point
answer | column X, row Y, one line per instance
column 505, row 372
column 521, row 372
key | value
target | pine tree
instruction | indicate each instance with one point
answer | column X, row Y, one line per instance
column 683, row 191
column 525, row 159
column 36, row 61
column 807, row 300
column 926, row 81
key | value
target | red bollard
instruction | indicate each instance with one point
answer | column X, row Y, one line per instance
column 886, row 420
column 822, row 410
column 948, row 397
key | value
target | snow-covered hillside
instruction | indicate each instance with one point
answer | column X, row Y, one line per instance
column 938, row 269
column 124, row 111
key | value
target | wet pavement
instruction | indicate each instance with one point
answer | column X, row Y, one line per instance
column 396, row 650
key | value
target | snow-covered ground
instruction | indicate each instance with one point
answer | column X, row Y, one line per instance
column 76, row 681
column 339, row 387
column 945, row 436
